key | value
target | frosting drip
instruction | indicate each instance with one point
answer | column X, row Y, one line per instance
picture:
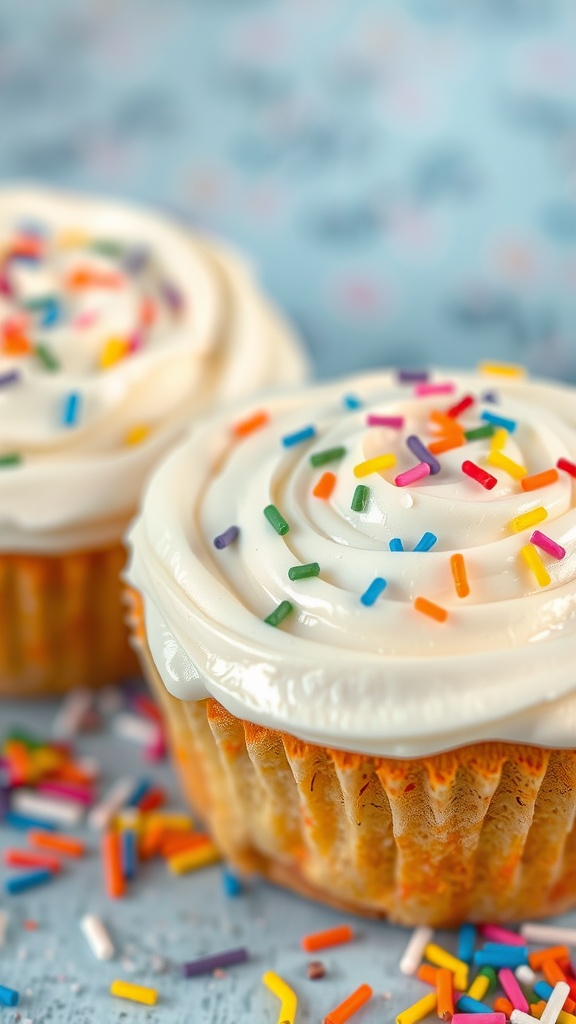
column 116, row 328
column 378, row 677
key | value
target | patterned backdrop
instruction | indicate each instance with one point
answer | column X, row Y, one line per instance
column 402, row 174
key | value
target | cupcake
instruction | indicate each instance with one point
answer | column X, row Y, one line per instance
column 359, row 617
column 117, row 327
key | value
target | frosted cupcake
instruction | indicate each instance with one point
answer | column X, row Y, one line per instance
column 116, row 328
column 359, row 613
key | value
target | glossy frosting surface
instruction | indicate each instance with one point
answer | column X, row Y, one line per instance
column 382, row 678
column 117, row 328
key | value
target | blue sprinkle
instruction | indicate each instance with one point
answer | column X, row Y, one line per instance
column 396, row 544
column 496, row 954
column 19, row 883
column 226, row 538
column 421, row 452
column 140, row 790
column 351, row 402
column 499, row 421
column 427, row 541
column 301, row 435
column 24, row 821
column 11, row 377
column 543, row 990
column 466, row 942
column 231, row 884
column 374, row 590
column 50, row 313
column 71, row 409
column 466, row 1004
column 129, row 853
column 8, row 996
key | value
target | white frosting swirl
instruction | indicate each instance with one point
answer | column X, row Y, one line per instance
column 147, row 324
column 384, row 679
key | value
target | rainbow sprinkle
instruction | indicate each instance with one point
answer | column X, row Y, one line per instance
column 360, row 498
column 423, row 453
column 458, row 567
column 280, row 613
column 299, row 436
column 329, row 455
column 304, row 572
column 541, row 540
column 71, row 409
column 499, row 421
column 374, row 420
column 527, row 519
column 481, row 476
column 375, row 465
column 426, row 542
column 478, row 433
column 411, row 476
column 536, row 565
column 223, row 540
column 372, row 593
column 276, row 519
column 396, row 544
column 500, row 461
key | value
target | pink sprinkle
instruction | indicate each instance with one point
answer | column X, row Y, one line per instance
column 155, row 751
column 372, row 420
column 479, row 1018
column 548, row 545
column 512, row 989
column 135, row 341
column 494, row 933
column 421, row 390
column 85, row 319
column 68, row 791
column 411, row 475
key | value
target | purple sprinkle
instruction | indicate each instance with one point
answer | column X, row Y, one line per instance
column 207, row 964
column 4, row 802
column 372, row 420
column 489, row 396
column 412, row 376
column 226, row 538
column 12, row 377
column 172, row 296
column 134, row 261
column 421, row 452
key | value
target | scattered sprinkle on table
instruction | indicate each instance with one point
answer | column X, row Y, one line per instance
column 207, row 964
column 135, row 993
column 331, row 937
column 287, row 997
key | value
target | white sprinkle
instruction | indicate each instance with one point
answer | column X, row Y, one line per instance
column 90, row 766
column 36, row 805
column 3, row 926
column 72, row 713
column 414, row 951
column 406, row 500
column 101, row 815
column 555, row 1003
column 134, row 728
column 97, row 937
column 525, row 975
column 519, row 1017
column 548, row 934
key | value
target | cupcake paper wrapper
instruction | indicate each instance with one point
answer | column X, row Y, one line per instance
column 61, row 622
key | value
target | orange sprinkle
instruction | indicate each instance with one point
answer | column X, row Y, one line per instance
column 458, row 567
column 29, row 925
column 537, row 959
column 331, row 937
column 447, row 423
column 428, row 974
column 27, row 247
column 532, row 483
column 252, row 423
column 21, row 767
column 66, row 845
column 16, row 345
column 148, row 312
column 434, row 611
column 176, row 842
column 112, row 864
column 502, row 1005
column 325, row 485
column 446, row 444
column 88, row 277
column 445, row 991
column 70, row 772
column 25, row 859
column 344, row 1011
column 552, row 972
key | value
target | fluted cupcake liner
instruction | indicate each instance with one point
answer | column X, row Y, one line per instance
column 482, row 833
column 61, row 622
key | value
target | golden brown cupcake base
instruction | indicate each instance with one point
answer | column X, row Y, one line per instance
column 61, row 622
column 483, row 833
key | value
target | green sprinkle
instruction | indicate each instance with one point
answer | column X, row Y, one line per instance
column 330, row 455
column 302, row 572
column 360, row 499
column 279, row 613
column 489, row 973
column 12, row 459
column 107, row 247
column 37, row 304
column 19, row 735
column 47, row 358
column 276, row 520
column 479, row 432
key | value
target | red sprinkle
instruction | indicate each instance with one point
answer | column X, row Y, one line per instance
column 479, row 475
column 567, row 466
column 460, row 407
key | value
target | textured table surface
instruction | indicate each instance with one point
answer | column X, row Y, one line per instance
column 166, row 920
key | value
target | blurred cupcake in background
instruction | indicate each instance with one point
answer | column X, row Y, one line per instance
column 117, row 328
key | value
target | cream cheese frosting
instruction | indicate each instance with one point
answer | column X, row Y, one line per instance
column 117, row 327
column 383, row 677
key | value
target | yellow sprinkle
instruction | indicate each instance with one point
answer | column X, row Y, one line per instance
column 191, row 860
column 72, row 240
column 137, row 993
column 502, row 369
column 514, row 469
column 287, row 997
column 442, row 958
column 535, row 563
column 479, row 987
column 536, row 515
column 375, row 465
column 114, row 350
column 175, row 822
column 499, row 439
column 131, row 817
column 137, row 434
column 418, row 1010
